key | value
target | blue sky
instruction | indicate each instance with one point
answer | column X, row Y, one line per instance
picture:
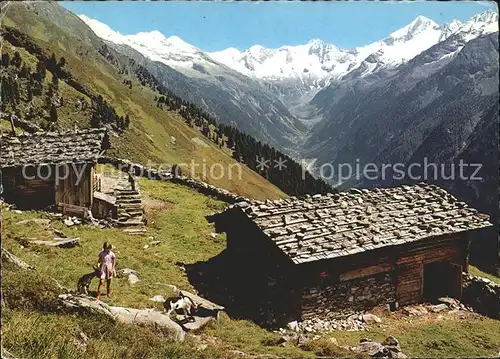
column 214, row 26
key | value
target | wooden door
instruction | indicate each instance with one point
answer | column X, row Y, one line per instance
column 442, row 279
column 455, row 288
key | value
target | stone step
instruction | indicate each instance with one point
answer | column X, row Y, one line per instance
column 129, row 194
column 128, row 200
column 132, row 213
column 129, row 209
column 126, row 192
column 130, row 219
column 130, row 223
column 128, row 216
column 134, row 231
column 128, row 205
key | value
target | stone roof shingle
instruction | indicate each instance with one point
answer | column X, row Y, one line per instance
column 78, row 146
column 335, row 225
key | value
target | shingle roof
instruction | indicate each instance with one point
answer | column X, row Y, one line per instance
column 52, row 147
column 336, row 225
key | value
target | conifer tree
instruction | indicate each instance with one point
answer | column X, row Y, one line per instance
column 62, row 62
column 55, row 82
column 24, row 73
column 41, row 70
column 53, row 113
column 5, row 60
column 30, row 93
column 52, row 62
column 16, row 60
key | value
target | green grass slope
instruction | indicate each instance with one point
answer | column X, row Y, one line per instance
column 161, row 137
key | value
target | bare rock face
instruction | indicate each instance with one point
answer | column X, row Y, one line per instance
column 370, row 348
column 482, row 295
column 294, row 326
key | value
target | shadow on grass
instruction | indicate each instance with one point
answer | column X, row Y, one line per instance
column 216, row 281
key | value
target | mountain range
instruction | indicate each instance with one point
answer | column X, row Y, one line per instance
column 316, row 61
column 273, row 93
column 426, row 91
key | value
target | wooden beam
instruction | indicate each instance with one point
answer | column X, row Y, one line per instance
column 367, row 271
column 72, row 209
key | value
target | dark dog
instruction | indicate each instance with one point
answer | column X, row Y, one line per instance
column 84, row 281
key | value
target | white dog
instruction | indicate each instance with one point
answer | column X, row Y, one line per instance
column 180, row 302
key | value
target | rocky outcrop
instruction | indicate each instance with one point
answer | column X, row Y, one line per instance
column 482, row 295
column 58, row 242
column 83, row 304
column 9, row 257
column 130, row 274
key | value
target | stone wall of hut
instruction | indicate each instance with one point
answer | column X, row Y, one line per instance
column 337, row 300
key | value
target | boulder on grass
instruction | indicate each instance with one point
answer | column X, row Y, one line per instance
column 85, row 304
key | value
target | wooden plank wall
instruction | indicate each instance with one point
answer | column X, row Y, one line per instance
column 27, row 193
column 366, row 271
column 410, row 269
column 79, row 194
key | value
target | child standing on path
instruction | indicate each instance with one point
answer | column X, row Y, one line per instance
column 106, row 263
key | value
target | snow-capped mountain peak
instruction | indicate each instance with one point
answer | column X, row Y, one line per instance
column 320, row 60
column 172, row 51
column 417, row 26
column 479, row 24
column 156, row 41
column 316, row 43
column 102, row 30
column 311, row 64
column 177, row 42
column 488, row 16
